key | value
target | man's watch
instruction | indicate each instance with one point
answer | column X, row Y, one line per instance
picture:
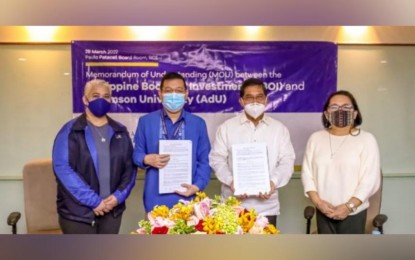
column 351, row 207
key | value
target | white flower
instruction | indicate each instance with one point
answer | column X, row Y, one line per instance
column 261, row 221
column 256, row 229
column 192, row 221
column 202, row 209
column 239, row 231
column 160, row 222
column 141, row 231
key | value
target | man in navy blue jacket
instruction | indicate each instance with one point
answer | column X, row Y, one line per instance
column 171, row 123
column 92, row 161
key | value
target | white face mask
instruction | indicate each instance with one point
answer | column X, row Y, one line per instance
column 254, row 109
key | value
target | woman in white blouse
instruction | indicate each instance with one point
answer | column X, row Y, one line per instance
column 341, row 168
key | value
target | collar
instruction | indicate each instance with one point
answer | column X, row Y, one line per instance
column 81, row 122
column 244, row 120
column 182, row 116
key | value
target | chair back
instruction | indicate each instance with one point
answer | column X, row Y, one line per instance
column 373, row 211
column 40, row 189
column 375, row 202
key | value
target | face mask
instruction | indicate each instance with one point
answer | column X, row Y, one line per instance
column 173, row 101
column 99, row 107
column 341, row 118
column 254, row 109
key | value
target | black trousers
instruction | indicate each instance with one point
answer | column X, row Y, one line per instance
column 106, row 224
column 354, row 224
column 272, row 220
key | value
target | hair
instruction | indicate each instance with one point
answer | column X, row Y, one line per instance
column 96, row 82
column 357, row 121
column 252, row 82
column 170, row 76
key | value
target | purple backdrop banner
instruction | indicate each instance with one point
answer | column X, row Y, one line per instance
column 298, row 76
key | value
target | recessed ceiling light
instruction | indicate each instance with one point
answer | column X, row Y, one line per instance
column 66, row 73
column 252, row 29
column 150, row 32
column 355, row 31
column 383, row 61
column 41, row 33
column 22, row 59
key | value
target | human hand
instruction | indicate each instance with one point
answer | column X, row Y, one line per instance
column 242, row 196
column 110, row 202
column 156, row 160
column 266, row 196
column 340, row 212
column 325, row 207
column 239, row 197
column 232, row 187
column 100, row 210
column 190, row 190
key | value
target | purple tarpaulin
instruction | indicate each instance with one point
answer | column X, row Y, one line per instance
column 299, row 76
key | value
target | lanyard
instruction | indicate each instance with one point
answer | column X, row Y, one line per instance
column 164, row 128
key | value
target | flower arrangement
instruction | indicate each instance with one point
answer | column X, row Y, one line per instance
column 203, row 215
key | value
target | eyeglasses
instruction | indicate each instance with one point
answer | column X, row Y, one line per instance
column 346, row 107
column 252, row 99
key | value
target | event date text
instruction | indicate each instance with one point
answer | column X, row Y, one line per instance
column 93, row 51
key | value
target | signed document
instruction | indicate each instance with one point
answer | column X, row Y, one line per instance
column 250, row 168
column 179, row 168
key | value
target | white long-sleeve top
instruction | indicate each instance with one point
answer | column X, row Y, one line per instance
column 341, row 167
column 239, row 130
